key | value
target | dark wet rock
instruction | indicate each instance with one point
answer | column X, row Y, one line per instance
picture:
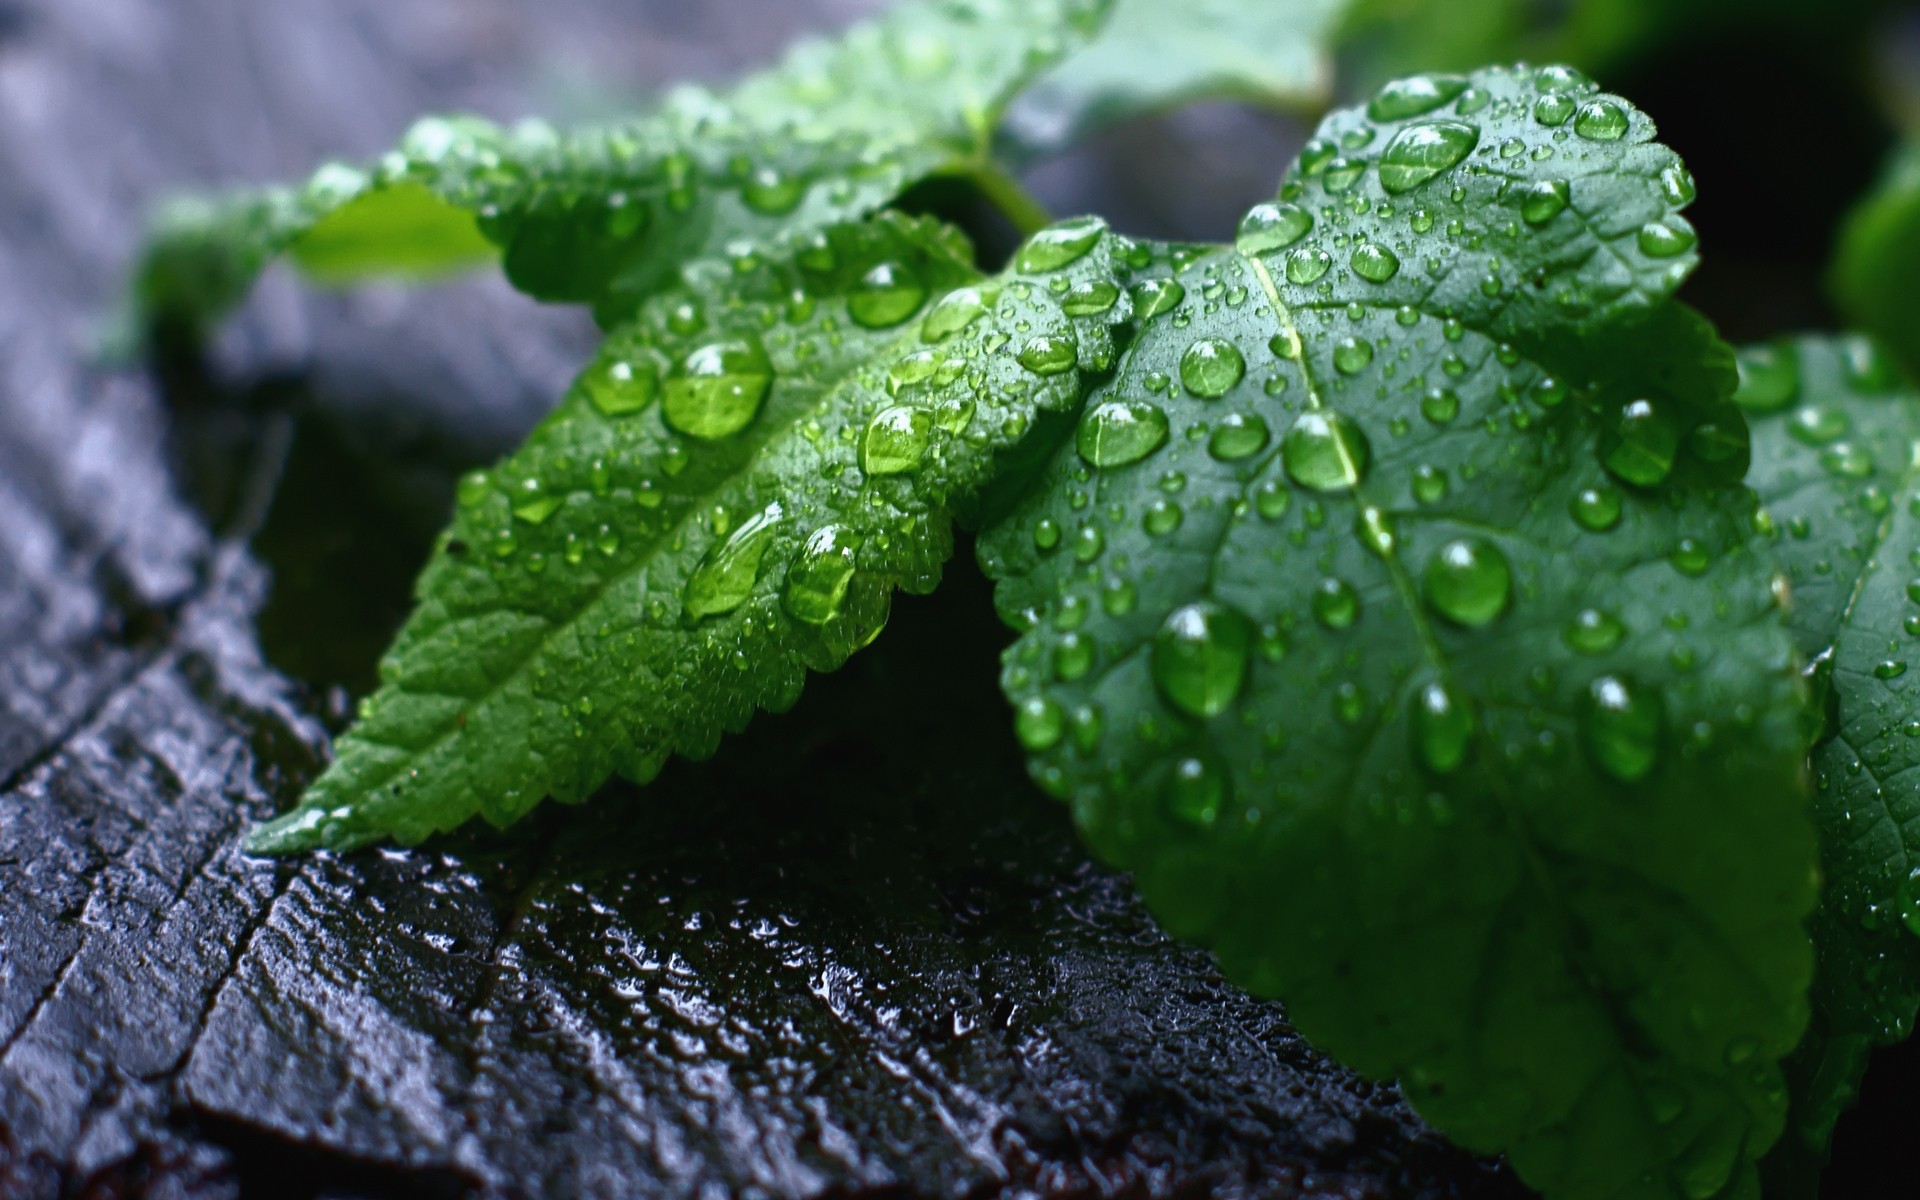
column 855, row 953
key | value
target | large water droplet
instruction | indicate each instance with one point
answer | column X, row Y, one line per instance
column 1419, row 152
column 717, row 390
column 1049, row 354
column 770, row 191
column 817, row 582
column 1469, row 582
column 1270, row 227
column 1053, row 248
column 619, row 387
column 1121, row 431
column 1769, row 378
column 1601, row 121
column 1443, row 727
column 1644, row 444
column 1666, row 239
column 1414, row 96
column 1374, row 262
column 1156, row 296
column 1238, row 436
column 955, row 311
column 1200, row 657
column 896, row 440
column 1039, row 724
column 1325, row 451
column 1594, row 632
column 725, row 578
column 1211, row 367
column 1336, row 604
column 1543, row 201
column 1197, row 793
column 1352, row 355
column 1596, row 509
column 1620, row 724
column 885, row 296
column 1089, row 298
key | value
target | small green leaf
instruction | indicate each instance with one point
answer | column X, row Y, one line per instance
column 605, row 215
column 1877, row 262
column 1158, row 54
column 728, row 496
column 1834, row 432
column 403, row 230
column 1428, row 668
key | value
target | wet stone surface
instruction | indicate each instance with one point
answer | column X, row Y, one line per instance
column 856, row 952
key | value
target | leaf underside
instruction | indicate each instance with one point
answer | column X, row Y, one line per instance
column 1426, row 664
column 1834, row 438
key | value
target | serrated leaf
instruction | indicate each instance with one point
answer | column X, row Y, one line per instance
column 1158, row 54
column 1835, row 440
column 1878, row 259
column 604, row 215
column 728, row 496
column 1397, row 619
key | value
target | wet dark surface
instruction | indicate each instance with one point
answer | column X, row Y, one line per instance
column 856, row 953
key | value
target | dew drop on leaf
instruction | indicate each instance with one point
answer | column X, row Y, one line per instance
column 717, row 389
column 1049, row 354
column 725, row 578
column 1200, row 657
column 1659, row 239
column 1600, row 121
column 1335, row 604
column 619, row 388
column 1419, row 152
column 1769, row 378
column 1059, row 245
column 1039, row 723
column 1469, row 582
column 1325, row 451
column 1543, row 201
column 1620, row 725
column 1090, row 298
column 954, row 312
column 772, row 192
column 1374, row 262
column 1157, row 296
column 1121, row 431
column 1644, row 445
column 1196, row 793
column 1211, row 367
column 1596, row 508
column 1270, row 227
column 1414, row 96
column 885, row 296
column 1443, row 727
column 1238, row 436
column 817, row 582
column 896, row 440
column 1352, row 355
column 1592, row 631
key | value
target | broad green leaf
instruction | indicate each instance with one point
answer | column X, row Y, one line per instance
column 605, row 215
column 1395, row 616
column 1877, row 262
column 729, row 495
column 1158, row 54
column 1835, row 438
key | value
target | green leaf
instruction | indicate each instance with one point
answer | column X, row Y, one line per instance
column 402, row 230
column 1395, row 616
column 1834, row 433
column 1877, row 261
column 605, row 215
column 729, row 495
column 1159, row 54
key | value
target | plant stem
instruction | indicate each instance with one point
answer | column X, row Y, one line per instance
column 1026, row 212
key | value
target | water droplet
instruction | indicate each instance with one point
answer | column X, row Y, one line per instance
column 725, row 578
column 1469, row 582
column 817, row 582
column 1352, row 355
column 1200, row 657
column 1689, row 557
column 1645, row 443
column 536, row 507
column 1374, row 263
column 619, row 387
column 1676, row 185
column 1543, row 201
column 896, row 440
column 1414, row 96
column 955, row 311
column 1046, row 533
column 771, row 192
column 1163, row 517
column 1305, row 266
column 1090, row 298
column 1443, row 727
column 1049, row 354
column 1156, row 296
column 1039, row 724
column 1336, row 604
column 1121, row 431
column 1667, row 239
column 1889, row 669
column 1847, row 461
column 1341, row 174
column 717, row 389
column 1238, row 436
column 1053, row 248
column 1621, row 726
column 1596, row 508
column 1197, row 793
column 1601, row 121
column 1818, row 424
column 1440, row 405
column 1325, row 451
column 1419, row 152
column 885, row 296
column 1553, row 110
column 1270, row 227
column 1429, row 485
column 1769, row 378
column 1072, row 657
column 1594, row 632
column 473, row 489
column 1211, row 367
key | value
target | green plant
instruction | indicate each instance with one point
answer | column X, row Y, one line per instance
column 1392, row 591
